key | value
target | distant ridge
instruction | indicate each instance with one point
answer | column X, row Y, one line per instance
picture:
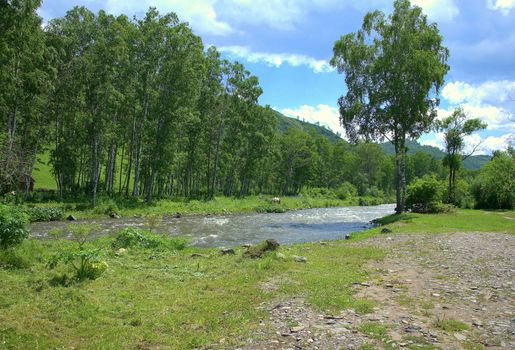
column 471, row 163
column 284, row 122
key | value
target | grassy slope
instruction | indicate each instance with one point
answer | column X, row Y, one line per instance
column 166, row 299
column 43, row 173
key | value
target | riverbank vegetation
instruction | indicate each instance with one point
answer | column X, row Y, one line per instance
column 166, row 295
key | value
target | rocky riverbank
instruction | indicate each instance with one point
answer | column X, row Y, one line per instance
column 432, row 291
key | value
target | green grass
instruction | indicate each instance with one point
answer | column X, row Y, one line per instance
column 450, row 325
column 168, row 299
column 42, row 173
column 463, row 220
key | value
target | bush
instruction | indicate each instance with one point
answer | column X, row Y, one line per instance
column 132, row 237
column 319, row 192
column 85, row 261
column 346, row 190
column 12, row 226
column 425, row 196
column 270, row 208
column 494, row 188
column 45, row 214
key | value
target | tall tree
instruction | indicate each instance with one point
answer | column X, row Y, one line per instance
column 455, row 127
column 394, row 67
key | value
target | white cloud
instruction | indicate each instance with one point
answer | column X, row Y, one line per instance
column 439, row 10
column 492, row 101
column 489, row 91
column 487, row 145
column 200, row 13
column 504, row 6
column 324, row 114
column 277, row 59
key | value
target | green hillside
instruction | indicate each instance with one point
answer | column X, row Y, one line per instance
column 471, row 163
column 285, row 122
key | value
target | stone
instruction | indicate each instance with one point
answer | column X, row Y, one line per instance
column 177, row 215
column 275, row 200
column 347, row 236
column 280, row 256
column 258, row 250
column 386, row 230
column 365, row 284
column 71, row 218
column 120, row 252
column 296, row 329
column 301, row 259
column 197, row 255
column 227, row 251
column 460, row 337
column 114, row 216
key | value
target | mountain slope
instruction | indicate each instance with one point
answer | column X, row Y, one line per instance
column 471, row 163
column 285, row 122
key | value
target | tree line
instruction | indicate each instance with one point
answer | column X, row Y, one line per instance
column 140, row 107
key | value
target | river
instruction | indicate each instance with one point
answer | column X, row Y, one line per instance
column 295, row 226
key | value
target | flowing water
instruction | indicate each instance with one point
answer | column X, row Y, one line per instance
column 296, row 226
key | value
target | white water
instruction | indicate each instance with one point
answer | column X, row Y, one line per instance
column 231, row 230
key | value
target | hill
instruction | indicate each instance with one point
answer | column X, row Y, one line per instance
column 471, row 163
column 285, row 122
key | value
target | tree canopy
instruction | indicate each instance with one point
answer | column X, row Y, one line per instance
column 394, row 67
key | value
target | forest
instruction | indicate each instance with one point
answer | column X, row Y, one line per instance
column 141, row 108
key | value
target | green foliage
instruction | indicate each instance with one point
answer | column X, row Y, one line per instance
column 84, row 260
column 269, row 208
column 408, row 49
column 13, row 229
column 450, row 325
column 494, row 188
column 134, row 238
column 45, row 213
column 346, row 190
column 425, row 196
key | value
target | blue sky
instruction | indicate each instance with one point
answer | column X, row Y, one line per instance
column 288, row 43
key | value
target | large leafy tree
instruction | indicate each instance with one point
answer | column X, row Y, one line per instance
column 455, row 128
column 394, row 67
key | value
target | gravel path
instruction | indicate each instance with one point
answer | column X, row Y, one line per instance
column 444, row 291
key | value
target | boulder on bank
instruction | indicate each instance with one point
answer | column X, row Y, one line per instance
column 71, row 218
column 257, row 251
column 227, row 251
column 386, row 230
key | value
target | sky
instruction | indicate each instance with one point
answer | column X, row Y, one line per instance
column 287, row 44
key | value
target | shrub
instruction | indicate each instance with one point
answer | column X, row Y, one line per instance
column 12, row 226
column 319, row 192
column 45, row 214
column 132, row 237
column 269, row 208
column 494, row 188
column 85, row 261
column 425, row 196
column 346, row 190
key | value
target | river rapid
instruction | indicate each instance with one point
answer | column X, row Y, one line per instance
column 306, row 225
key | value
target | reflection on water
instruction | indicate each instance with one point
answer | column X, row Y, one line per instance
column 231, row 230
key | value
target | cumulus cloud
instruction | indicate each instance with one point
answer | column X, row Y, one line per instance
column 201, row 14
column 277, row 59
column 489, row 91
column 491, row 101
column 487, row 145
column 504, row 6
column 439, row 10
column 324, row 114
